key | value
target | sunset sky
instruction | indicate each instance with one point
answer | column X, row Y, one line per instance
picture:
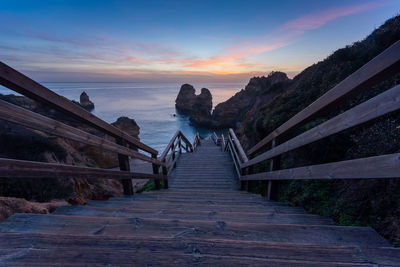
column 172, row 41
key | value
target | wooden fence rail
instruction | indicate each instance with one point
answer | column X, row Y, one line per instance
column 385, row 166
column 125, row 146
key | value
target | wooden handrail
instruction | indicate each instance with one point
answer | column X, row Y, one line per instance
column 243, row 156
column 373, row 72
column 11, row 168
column 385, row 166
column 223, row 143
column 22, row 84
column 377, row 106
column 24, row 117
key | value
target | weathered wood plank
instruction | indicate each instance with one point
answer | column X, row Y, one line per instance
column 376, row 70
column 375, row 107
column 24, row 117
column 10, row 168
column 167, row 251
column 139, row 227
column 22, row 84
column 386, row 166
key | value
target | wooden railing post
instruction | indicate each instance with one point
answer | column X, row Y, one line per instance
column 155, row 171
column 124, row 165
column 165, row 172
column 273, row 166
column 180, row 145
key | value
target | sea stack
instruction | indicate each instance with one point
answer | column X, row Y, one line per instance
column 188, row 103
column 85, row 102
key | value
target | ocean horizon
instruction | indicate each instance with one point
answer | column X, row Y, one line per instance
column 151, row 105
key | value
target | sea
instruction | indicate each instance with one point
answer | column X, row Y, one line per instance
column 151, row 105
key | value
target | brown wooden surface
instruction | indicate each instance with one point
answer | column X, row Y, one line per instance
column 375, row 71
column 379, row 105
column 22, row 84
column 385, row 166
column 10, row 168
column 24, row 117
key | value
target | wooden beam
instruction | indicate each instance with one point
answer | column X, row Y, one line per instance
column 11, row 168
column 375, row 107
column 240, row 150
column 22, row 84
column 386, row 166
column 24, row 117
column 378, row 69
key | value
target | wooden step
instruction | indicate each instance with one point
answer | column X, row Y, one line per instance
column 133, row 227
column 211, row 215
column 197, row 206
column 41, row 249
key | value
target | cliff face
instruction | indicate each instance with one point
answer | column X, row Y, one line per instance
column 259, row 91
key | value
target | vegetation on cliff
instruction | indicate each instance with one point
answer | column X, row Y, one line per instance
column 364, row 202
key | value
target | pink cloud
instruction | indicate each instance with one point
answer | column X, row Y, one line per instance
column 315, row 20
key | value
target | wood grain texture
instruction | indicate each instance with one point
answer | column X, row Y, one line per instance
column 386, row 166
column 10, row 168
column 373, row 72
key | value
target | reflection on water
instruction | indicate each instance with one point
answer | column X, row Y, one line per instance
column 152, row 105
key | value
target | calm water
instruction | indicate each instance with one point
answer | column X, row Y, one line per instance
column 152, row 105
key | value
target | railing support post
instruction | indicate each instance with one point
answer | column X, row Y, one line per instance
column 165, row 172
column 124, row 165
column 273, row 166
column 155, row 171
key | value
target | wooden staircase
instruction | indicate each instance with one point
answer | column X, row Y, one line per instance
column 202, row 219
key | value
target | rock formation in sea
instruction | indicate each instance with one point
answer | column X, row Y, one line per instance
column 259, row 91
column 197, row 107
column 85, row 102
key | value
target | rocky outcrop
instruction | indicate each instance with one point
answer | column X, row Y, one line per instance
column 11, row 205
column 198, row 107
column 127, row 125
column 259, row 91
column 85, row 102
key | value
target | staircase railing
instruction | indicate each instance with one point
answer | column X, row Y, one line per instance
column 384, row 166
column 174, row 149
column 125, row 145
column 196, row 141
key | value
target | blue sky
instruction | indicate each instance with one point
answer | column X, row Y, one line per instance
column 179, row 40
